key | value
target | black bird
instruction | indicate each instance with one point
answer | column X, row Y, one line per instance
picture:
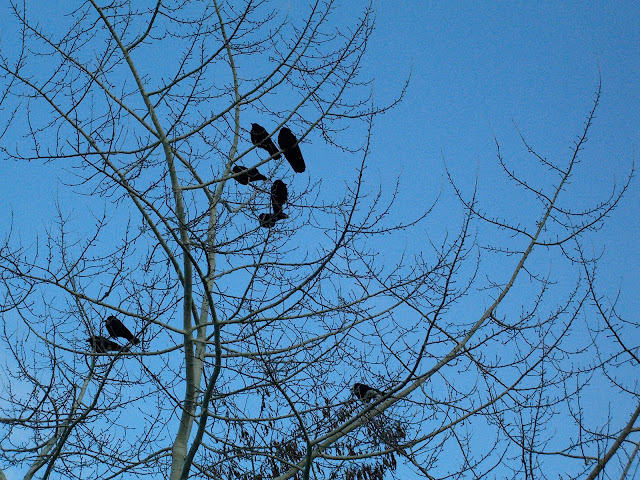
column 279, row 196
column 103, row 344
column 249, row 175
column 289, row 146
column 365, row 393
column 117, row 329
column 268, row 220
column 259, row 138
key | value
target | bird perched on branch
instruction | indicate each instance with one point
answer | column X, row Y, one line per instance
column 268, row 220
column 381, row 428
column 279, row 196
column 259, row 138
column 103, row 344
column 365, row 393
column 289, row 146
column 117, row 329
column 247, row 175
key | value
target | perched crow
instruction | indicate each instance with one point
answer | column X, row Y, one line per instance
column 279, row 196
column 268, row 220
column 288, row 144
column 365, row 393
column 249, row 175
column 117, row 329
column 259, row 139
column 103, row 345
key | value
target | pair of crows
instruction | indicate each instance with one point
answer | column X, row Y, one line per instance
column 279, row 194
column 116, row 329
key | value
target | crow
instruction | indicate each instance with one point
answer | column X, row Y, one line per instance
column 103, row 345
column 259, row 139
column 117, row 329
column 268, row 220
column 279, row 196
column 249, row 175
column 365, row 393
column 289, row 146
column 390, row 432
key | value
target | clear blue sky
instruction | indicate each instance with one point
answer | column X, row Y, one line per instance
column 478, row 69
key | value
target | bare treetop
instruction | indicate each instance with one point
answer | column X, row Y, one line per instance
column 265, row 323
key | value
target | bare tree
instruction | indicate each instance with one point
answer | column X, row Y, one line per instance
column 253, row 332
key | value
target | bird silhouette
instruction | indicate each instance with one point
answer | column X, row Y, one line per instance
column 279, row 196
column 103, row 344
column 268, row 220
column 259, row 138
column 289, row 146
column 249, row 175
column 365, row 393
column 117, row 329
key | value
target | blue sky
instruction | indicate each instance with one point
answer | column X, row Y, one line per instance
column 478, row 69
column 481, row 68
